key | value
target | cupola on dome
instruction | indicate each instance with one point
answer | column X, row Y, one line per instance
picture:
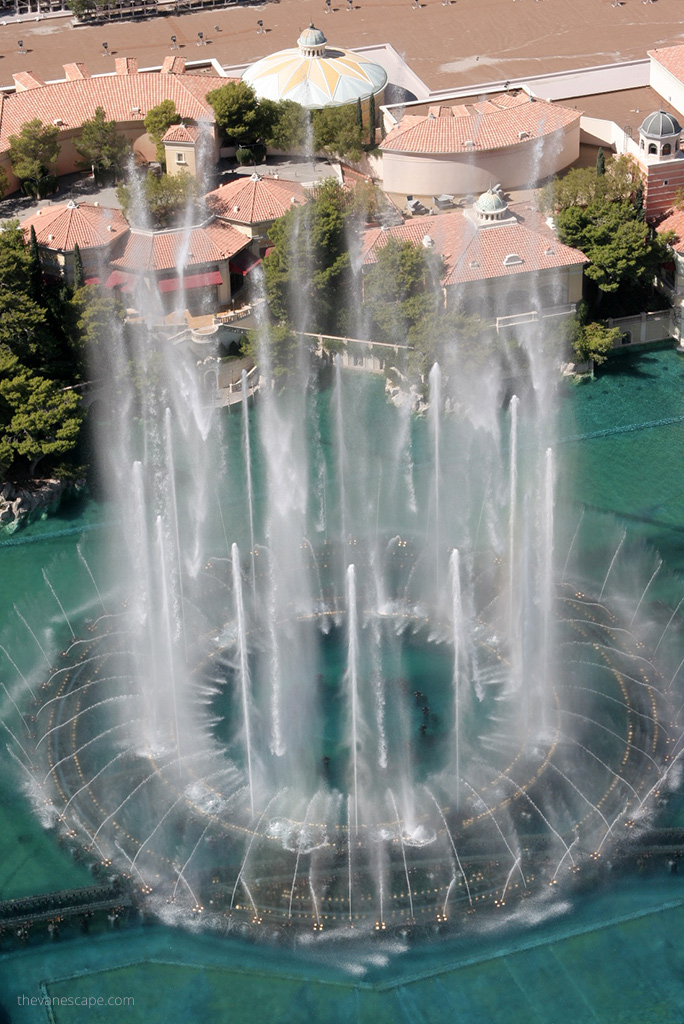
column 312, row 41
column 659, row 125
column 490, row 202
column 316, row 75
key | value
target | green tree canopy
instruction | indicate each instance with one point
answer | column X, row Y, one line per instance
column 308, row 273
column 33, row 152
column 622, row 248
column 336, row 132
column 101, row 146
column 401, row 289
column 582, row 185
column 158, row 121
column 37, row 417
column 167, row 200
column 4, row 183
column 287, row 125
column 595, row 341
column 238, row 113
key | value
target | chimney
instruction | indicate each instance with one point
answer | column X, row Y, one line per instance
column 25, row 80
column 173, row 65
column 126, row 65
column 76, row 72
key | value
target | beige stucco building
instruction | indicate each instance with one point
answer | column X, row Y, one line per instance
column 466, row 148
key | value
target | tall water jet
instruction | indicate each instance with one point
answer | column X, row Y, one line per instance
column 547, row 587
column 243, row 669
column 456, row 639
column 352, row 685
column 248, row 471
column 435, row 418
column 513, row 608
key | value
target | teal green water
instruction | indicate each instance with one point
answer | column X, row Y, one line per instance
column 614, row 956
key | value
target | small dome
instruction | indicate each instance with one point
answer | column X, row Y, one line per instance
column 312, row 36
column 490, row 202
column 659, row 125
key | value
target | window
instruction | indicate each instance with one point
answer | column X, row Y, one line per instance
column 653, row 149
column 667, row 149
column 180, row 158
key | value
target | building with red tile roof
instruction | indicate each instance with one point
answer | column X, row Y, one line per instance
column 478, row 253
column 252, row 203
column 98, row 231
column 203, row 262
column 466, row 148
column 126, row 97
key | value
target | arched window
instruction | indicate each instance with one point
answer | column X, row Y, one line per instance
column 642, row 144
column 667, row 149
column 653, row 149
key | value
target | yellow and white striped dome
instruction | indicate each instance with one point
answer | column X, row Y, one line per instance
column 314, row 75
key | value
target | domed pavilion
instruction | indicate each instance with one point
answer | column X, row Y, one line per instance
column 316, row 75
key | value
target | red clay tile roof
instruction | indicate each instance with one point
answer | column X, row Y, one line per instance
column 27, row 80
column 257, row 199
column 171, row 250
column 671, row 58
column 491, row 124
column 475, row 254
column 181, row 133
column 674, row 221
column 125, row 98
column 61, row 227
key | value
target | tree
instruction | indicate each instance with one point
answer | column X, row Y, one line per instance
column 288, row 126
column 308, row 273
column 101, row 147
column 282, row 354
column 600, row 163
column 595, row 342
column 158, row 121
column 581, row 185
column 336, row 132
column 79, row 276
column 237, row 113
column 401, row 289
column 35, row 268
column 4, row 183
column 638, row 202
column 167, row 199
column 32, row 153
column 621, row 248
column 371, row 120
column 37, row 418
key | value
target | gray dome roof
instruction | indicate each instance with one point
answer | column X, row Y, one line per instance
column 490, row 202
column 659, row 125
column 312, row 36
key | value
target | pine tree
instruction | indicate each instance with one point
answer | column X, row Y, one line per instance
column 600, row 163
column 638, row 202
column 371, row 120
column 79, row 276
column 359, row 114
column 35, row 269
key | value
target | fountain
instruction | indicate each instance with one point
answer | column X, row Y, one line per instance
column 346, row 685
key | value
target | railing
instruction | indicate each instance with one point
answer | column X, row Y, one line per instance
column 533, row 316
column 219, row 398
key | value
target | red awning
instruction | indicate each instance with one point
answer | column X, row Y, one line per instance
column 92, row 280
column 174, row 284
column 243, row 262
column 117, row 279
